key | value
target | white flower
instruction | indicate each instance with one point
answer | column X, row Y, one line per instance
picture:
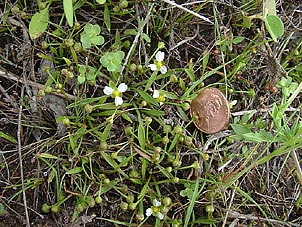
column 159, row 63
column 234, row 102
column 156, row 203
column 116, row 93
column 160, row 97
column 155, row 94
column 149, row 211
column 155, row 210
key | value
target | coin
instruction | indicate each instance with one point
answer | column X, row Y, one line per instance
column 211, row 110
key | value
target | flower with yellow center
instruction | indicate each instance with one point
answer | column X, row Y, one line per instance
column 116, row 93
column 155, row 210
column 159, row 63
column 159, row 97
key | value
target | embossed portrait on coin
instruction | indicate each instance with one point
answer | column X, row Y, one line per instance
column 213, row 105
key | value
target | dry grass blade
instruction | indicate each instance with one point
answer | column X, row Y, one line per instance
column 188, row 11
column 20, row 158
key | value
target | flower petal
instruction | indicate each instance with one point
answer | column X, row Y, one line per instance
column 234, row 102
column 156, row 203
column 153, row 67
column 160, row 216
column 108, row 90
column 160, row 56
column 163, row 69
column 155, row 94
column 122, row 87
column 118, row 101
column 149, row 211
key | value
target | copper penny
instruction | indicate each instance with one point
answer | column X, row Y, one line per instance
column 211, row 110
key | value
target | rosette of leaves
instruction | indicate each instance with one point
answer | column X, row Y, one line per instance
column 87, row 73
column 91, row 36
column 113, row 60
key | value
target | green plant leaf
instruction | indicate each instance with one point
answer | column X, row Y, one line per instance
column 240, row 129
column 257, row 137
column 126, row 117
column 75, row 170
column 130, row 32
column 246, row 20
column 38, row 23
column 2, row 210
column 68, row 10
column 113, row 60
column 148, row 98
column 141, row 136
column 101, row 1
column 8, row 137
column 48, row 156
column 81, row 79
column 274, row 26
column 146, row 37
column 97, row 40
column 107, row 17
column 237, row 40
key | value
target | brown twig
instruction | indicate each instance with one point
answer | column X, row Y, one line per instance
column 13, row 77
column 9, row 99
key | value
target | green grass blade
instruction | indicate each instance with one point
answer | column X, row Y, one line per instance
column 68, row 10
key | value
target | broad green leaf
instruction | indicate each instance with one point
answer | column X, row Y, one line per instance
column 79, row 4
column 101, row 1
column 126, row 117
column 146, row 37
column 274, row 26
column 81, row 79
column 182, row 84
column 8, row 137
column 237, row 40
column 240, row 129
column 248, row 116
column 106, row 131
column 68, row 62
column 246, row 20
column 130, row 32
column 75, row 170
column 38, row 23
column 68, row 10
column 109, row 160
column 254, row 137
column 190, row 74
column 107, row 17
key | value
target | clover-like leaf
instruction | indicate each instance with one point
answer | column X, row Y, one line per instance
column 85, row 40
column 97, row 40
column 90, row 36
column 113, row 60
column 87, row 73
column 81, row 79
